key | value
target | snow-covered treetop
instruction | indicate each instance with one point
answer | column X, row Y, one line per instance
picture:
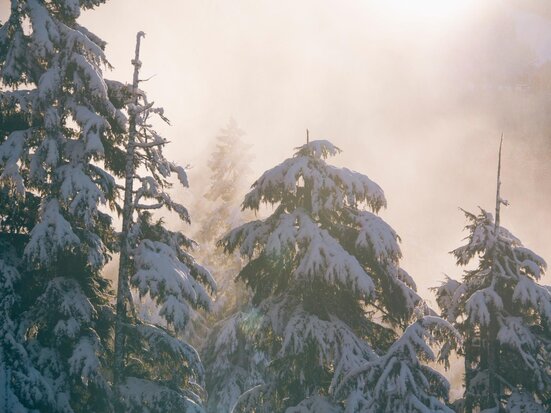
column 482, row 237
column 502, row 260
column 321, row 149
column 502, row 250
column 153, row 171
column 228, row 164
column 53, row 67
column 328, row 188
column 64, row 61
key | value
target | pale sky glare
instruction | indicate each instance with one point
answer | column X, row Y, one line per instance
column 416, row 94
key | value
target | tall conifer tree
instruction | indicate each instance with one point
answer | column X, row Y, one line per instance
column 220, row 211
column 57, row 354
column 154, row 368
column 325, row 276
column 504, row 316
column 232, row 364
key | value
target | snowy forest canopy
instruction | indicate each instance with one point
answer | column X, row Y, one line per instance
column 287, row 295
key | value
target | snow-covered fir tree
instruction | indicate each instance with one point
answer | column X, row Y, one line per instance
column 155, row 369
column 55, row 343
column 232, row 364
column 220, row 211
column 325, row 277
column 504, row 316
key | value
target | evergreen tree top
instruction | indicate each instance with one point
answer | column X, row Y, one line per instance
column 504, row 264
column 329, row 188
column 53, row 31
column 484, row 242
column 228, row 165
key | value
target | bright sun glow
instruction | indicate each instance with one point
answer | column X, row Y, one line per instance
column 432, row 9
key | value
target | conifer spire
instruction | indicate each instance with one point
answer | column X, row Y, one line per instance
column 492, row 344
column 499, row 201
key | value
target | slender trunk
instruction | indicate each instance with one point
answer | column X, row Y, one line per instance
column 493, row 382
column 123, row 289
column 468, row 377
column 6, row 385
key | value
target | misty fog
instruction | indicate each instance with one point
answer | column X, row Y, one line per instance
column 416, row 96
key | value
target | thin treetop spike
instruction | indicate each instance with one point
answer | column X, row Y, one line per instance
column 137, row 64
column 498, row 189
column 307, row 136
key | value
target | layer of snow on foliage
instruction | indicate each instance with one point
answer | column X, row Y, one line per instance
column 148, row 397
column 397, row 382
column 521, row 402
column 335, row 341
column 317, row 404
column 231, row 378
column 52, row 234
column 528, row 292
column 377, row 235
column 11, row 151
column 481, row 303
column 168, row 281
column 320, row 255
column 161, row 341
column 84, row 362
column 331, row 188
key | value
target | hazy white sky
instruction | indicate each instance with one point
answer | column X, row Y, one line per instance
column 415, row 93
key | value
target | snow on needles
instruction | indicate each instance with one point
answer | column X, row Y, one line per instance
column 330, row 187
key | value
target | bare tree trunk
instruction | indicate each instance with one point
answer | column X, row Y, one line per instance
column 123, row 289
column 494, row 395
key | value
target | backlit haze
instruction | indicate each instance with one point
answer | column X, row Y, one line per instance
column 415, row 93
